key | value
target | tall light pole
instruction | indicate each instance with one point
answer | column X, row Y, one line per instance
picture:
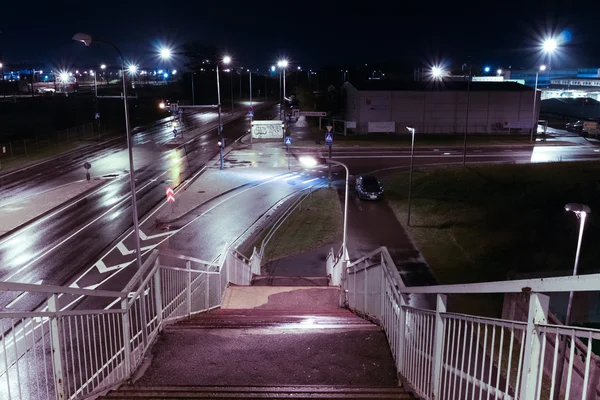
column 309, row 161
column 282, row 64
column 226, row 60
column 467, row 117
column 412, row 156
column 581, row 211
column 534, row 127
column 87, row 40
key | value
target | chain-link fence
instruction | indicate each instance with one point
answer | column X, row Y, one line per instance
column 50, row 142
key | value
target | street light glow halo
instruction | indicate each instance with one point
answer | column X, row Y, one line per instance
column 83, row 38
column 308, row 161
column 578, row 208
column 226, row 60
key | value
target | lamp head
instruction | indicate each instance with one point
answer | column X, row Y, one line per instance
column 542, row 67
column 83, row 37
column 226, row 60
column 578, row 208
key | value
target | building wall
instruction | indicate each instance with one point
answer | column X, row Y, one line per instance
column 443, row 112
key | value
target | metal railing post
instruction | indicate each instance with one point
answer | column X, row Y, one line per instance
column 438, row 345
column 537, row 314
column 188, row 290
column 158, row 296
column 126, row 339
column 57, row 349
column 207, row 291
column 365, row 291
column 401, row 334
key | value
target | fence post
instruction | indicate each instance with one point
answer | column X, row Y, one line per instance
column 401, row 332
column 438, row 345
column 57, row 350
column 188, row 266
column 126, row 339
column 207, row 291
column 158, row 295
column 538, row 314
column 365, row 296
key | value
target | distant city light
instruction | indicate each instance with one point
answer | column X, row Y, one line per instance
column 487, row 69
column 499, row 72
column 282, row 63
column 160, row 71
column 273, row 68
column 64, row 77
column 103, row 66
column 166, row 75
column 1, row 65
column 174, row 72
column 299, row 68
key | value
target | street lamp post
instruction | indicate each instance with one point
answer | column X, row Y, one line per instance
column 87, row 40
column 226, row 60
column 467, row 119
column 534, row 122
column 412, row 156
column 283, row 65
column 581, row 211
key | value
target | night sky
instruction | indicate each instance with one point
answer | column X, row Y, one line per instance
column 310, row 34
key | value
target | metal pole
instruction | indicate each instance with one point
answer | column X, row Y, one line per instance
column 467, row 122
column 284, row 99
column 193, row 94
column 412, row 156
column 220, row 127
column 250, row 79
column 344, row 241
column 95, row 86
column 534, row 101
column 563, row 346
column 136, row 227
column 231, row 84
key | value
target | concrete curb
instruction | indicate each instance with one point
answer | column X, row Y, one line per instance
column 428, row 146
column 53, row 209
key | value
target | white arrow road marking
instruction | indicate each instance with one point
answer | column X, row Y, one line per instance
column 103, row 268
column 144, row 237
column 19, row 297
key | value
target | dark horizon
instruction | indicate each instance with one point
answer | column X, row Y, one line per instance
column 309, row 36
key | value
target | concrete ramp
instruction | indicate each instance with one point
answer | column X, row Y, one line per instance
column 281, row 297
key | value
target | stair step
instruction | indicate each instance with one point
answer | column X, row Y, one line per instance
column 304, row 281
column 240, row 318
column 258, row 392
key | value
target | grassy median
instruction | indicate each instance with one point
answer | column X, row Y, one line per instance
column 487, row 223
column 316, row 223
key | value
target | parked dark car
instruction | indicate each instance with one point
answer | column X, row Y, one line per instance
column 575, row 126
column 368, row 187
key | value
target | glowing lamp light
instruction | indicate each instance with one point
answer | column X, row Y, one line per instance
column 161, row 105
column 308, row 161
column 542, row 67
column 272, row 68
column 226, row 60
column 437, row 72
column 174, row 72
column 64, row 77
column 166, row 75
column 132, row 68
column 499, row 72
column 282, row 63
column 487, row 69
column 549, row 45
column 165, row 53
column 103, row 66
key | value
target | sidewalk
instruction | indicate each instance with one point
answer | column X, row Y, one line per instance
column 26, row 210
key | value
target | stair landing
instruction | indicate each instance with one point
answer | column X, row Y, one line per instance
column 281, row 297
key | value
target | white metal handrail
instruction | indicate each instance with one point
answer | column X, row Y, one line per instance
column 75, row 354
column 443, row 355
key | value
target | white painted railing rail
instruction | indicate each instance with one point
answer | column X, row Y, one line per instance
column 443, row 355
column 77, row 349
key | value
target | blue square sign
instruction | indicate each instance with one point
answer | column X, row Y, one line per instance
column 288, row 141
column 328, row 139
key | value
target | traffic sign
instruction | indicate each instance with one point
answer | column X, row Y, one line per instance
column 328, row 139
column 174, row 131
column 251, row 114
column 87, row 165
column 180, row 111
column 329, row 128
column 170, row 195
column 251, row 109
column 97, row 115
column 288, row 141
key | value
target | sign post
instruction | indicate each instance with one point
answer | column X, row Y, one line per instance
column 329, row 143
column 288, row 143
column 87, row 167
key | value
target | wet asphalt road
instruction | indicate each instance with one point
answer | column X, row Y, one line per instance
column 55, row 249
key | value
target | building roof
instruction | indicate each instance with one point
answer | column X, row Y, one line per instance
column 389, row 85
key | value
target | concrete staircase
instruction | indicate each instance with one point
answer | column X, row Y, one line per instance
column 270, row 342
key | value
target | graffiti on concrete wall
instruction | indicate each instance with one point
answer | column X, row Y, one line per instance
column 267, row 130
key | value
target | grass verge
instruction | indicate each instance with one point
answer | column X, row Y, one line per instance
column 50, row 151
column 316, row 223
column 488, row 223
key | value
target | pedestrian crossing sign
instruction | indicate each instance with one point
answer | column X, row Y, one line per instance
column 288, row 141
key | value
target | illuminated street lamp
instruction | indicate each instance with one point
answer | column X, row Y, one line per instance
column 499, row 72
column 283, row 64
column 165, row 53
column 310, row 162
column 226, row 60
column 581, row 211
column 549, row 45
column 486, row 69
column 437, row 72
column 87, row 40
column 103, row 66
column 542, row 68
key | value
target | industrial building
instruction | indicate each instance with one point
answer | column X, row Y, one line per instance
column 440, row 107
